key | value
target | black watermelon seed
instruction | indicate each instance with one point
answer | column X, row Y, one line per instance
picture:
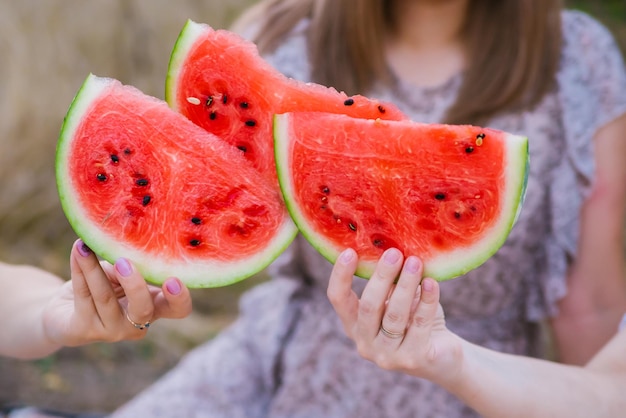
column 101, row 177
column 196, row 221
column 209, row 101
column 348, row 102
column 325, row 189
column 141, row 182
column 440, row 196
column 250, row 122
column 146, row 200
column 352, row 226
column 243, row 105
column 115, row 158
column 469, row 149
column 224, row 99
column 127, row 151
column 480, row 136
column 457, row 215
column 212, row 115
column 381, row 109
column 242, row 148
column 194, row 242
column 378, row 243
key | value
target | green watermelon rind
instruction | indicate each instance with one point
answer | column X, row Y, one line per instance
column 444, row 267
column 194, row 274
column 186, row 39
column 183, row 44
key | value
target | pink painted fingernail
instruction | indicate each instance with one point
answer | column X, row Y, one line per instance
column 123, row 267
column 412, row 264
column 83, row 249
column 347, row 256
column 392, row 255
column 173, row 286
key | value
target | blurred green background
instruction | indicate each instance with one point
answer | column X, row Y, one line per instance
column 47, row 49
column 610, row 12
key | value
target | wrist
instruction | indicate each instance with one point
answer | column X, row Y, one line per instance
column 47, row 341
column 454, row 373
column 447, row 363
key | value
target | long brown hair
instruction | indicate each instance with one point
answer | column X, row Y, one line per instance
column 513, row 45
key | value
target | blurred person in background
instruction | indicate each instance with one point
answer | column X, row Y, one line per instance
column 524, row 66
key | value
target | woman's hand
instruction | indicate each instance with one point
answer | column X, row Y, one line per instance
column 105, row 302
column 399, row 326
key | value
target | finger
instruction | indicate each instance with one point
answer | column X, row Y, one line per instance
column 103, row 294
column 340, row 293
column 398, row 311
column 109, row 270
column 426, row 310
column 375, row 294
column 91, row 288
column 140, row 308
column 174, row 301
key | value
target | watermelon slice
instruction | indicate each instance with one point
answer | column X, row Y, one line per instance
column 139, row 180
column 219, row 81
column 449, row 194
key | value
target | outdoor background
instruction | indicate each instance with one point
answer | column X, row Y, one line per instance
column 47, row 50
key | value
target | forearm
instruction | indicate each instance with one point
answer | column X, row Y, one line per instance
column 596, row 283
column 578, row 336
column 27, row 289
column 497, row 385
column 593, row 306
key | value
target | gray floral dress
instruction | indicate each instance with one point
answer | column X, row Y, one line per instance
column 287, row 356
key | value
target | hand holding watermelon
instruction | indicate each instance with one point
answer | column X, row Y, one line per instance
column 40, row 312
column 398, row 322
column 105, row 302
column 400, row 325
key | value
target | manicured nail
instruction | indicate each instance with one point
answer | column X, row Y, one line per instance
column 412, row 265
column 173, row 286
column 427, row 285
column 347, row 256
column 83, row 249
column 123, row 267
column 392, row 255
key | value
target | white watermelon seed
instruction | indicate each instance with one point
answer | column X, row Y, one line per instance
column 193, row 100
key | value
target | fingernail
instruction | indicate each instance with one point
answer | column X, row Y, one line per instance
column 123, row 267
column 392, row 256
column 412, row 264
column 173, row 286
column 427, row 285
column 347, row 256
column 83, row 249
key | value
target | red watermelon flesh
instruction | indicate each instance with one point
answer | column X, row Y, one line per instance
column 449, row 194
column 220, row 82
column 139, row 180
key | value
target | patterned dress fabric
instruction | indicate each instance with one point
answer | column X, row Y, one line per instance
column 287, row 355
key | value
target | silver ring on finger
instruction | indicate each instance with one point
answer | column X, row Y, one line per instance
column 138, row 325
column 389, row 334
